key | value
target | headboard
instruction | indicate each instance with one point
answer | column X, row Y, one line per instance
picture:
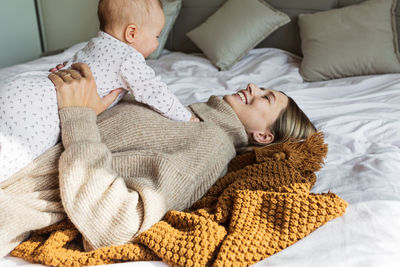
column 195, row 12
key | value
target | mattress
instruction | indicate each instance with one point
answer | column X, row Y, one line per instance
column 360, row 117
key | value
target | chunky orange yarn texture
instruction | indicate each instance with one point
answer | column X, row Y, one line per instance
column 261, row 206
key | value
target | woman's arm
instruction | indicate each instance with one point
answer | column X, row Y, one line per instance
column 94, row 197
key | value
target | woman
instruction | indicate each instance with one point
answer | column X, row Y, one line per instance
column 121, row 172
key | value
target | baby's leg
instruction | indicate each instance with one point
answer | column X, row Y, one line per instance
column 29, row 122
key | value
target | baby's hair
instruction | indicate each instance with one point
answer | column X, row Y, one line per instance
column 120, row 13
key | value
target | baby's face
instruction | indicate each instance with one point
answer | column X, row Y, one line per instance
column 147, row 37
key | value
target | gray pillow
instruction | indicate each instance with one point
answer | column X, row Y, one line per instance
column 355, row 40
column 171, row 11
column 235, row 28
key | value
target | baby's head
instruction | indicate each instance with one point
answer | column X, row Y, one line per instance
column 137, row 23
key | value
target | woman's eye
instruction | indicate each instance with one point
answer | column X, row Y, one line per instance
column 267, row 97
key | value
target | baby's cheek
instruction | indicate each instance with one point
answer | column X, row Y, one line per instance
column 155, row 45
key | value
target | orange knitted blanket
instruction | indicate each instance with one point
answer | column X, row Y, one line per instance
column 261, row 206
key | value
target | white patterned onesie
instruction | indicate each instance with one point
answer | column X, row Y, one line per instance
column 29, row 122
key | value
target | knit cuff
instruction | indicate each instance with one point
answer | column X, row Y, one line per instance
column 78, row 124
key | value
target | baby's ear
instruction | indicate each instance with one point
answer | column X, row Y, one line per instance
column 130, row 33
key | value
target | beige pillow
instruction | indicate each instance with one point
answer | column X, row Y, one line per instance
column 234, row 29
column 355, row 40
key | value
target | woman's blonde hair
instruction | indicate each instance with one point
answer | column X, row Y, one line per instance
column 292, row 123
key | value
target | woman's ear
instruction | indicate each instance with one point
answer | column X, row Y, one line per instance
column 262, row 138
column 130, row 33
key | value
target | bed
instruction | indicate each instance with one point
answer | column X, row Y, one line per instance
column 360, row 117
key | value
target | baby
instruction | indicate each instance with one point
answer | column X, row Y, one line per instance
column 29, row 122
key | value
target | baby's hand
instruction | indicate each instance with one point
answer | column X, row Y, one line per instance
column 58, row 67
column 194, row 119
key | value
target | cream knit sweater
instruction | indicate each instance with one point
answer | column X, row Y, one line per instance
column 118, row 177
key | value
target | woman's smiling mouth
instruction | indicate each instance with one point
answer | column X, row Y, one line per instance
column 242, row 97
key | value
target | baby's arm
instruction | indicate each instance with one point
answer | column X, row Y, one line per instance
column 142, row 82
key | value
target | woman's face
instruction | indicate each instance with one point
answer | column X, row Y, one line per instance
column 257, row 109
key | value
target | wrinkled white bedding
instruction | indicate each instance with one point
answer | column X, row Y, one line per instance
column 360, row 117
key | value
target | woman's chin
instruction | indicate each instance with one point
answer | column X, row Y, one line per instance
column 230, row 99
column 226, row 98
column 232, row 102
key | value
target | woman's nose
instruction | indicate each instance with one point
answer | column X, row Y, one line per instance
column 250, row 88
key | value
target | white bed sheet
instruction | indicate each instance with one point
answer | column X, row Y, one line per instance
column 360, row 117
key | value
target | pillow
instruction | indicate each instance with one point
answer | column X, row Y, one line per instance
column 355, row 40
column 171, row 11
column 235, row 28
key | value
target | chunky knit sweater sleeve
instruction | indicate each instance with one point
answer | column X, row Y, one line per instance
column 121, row 173
column 95, row 198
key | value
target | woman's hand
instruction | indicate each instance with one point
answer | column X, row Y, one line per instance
column 58, row 67
column 76, row 87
